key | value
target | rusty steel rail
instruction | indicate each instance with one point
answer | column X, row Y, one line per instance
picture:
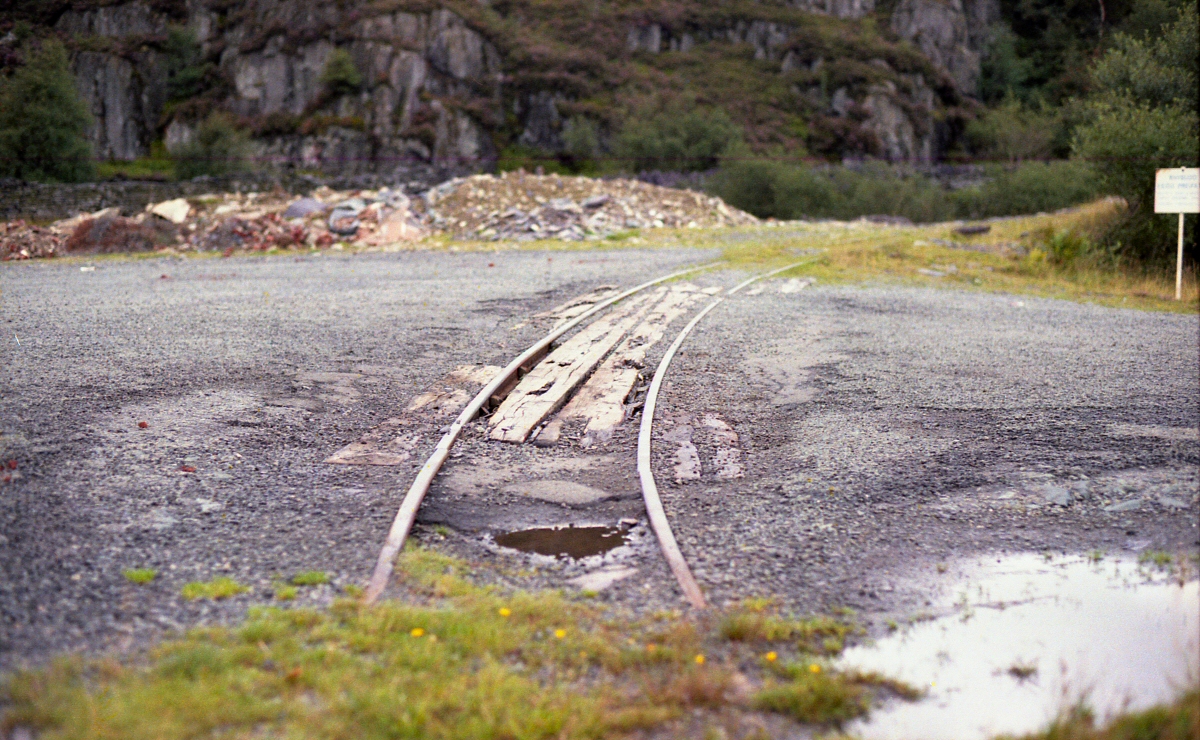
column 407, row 514
column 654, row 507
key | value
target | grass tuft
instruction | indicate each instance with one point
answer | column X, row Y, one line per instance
column 140, row 576
column 310, row 578
column 217, row 588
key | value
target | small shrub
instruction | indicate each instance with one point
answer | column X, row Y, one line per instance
column 218, row 148
column 310, row 578
column 581, row 144
column 218, row 588
column 1032, row 187
column 341, row 75
column 1013, row 132
column 187, row 72
column 140, row 576
column 682, row 142
column 815, row 697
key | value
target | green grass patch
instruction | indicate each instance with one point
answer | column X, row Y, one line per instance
column 310, row 578
column 455, row 660
column 140, row 576
column 286, row 593
column 217, row 588
column 1179, row 720
column 1016, row 255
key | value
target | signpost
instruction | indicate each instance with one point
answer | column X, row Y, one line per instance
column 1177, row 190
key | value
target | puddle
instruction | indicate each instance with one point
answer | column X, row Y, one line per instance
column 570, row 541
column 1029, row 638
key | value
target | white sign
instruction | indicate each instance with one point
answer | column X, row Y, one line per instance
column 1177, row 190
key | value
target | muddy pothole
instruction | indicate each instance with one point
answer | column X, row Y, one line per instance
column 565, row 542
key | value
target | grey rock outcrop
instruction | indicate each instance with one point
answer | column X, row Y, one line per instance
column 417, row 69
column 433, row 87
column 114, row 21
column 837, row 8
column 952, row 33
column 125, row 97
column 125, row 93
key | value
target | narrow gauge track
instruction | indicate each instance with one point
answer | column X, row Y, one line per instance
column 406, row 516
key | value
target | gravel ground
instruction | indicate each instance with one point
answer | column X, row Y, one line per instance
column 251, row 371
column 887, row 431
column 880, row 432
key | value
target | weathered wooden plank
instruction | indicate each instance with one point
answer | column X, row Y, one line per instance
column 602, row 399
column 391, row 443
column 573, row 307
column 546, row 387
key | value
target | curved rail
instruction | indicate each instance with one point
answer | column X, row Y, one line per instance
column 654, row 507
column 407, row 514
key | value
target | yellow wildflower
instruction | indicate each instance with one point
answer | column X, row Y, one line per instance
column 699, row 660
column 505, row 611
column 814, row 668
column 560, row 634
column 417, row 632
column 771, row 656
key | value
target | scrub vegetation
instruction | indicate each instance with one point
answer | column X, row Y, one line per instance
column 216, row 589
column 1055, row 255
column 1179, row 720
column 454, row 660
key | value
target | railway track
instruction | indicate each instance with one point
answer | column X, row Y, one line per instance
column 588, row 377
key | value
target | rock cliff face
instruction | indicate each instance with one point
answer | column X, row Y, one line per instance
column 446, row 84
column 952, row 33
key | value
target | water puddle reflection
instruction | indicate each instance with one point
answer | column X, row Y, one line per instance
column 570, row 541
column 1029, row 637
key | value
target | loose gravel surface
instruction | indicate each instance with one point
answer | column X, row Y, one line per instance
column 851, row 439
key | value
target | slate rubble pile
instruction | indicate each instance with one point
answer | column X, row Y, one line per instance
column 226, row 223
column 513, row 206
column 517, row 206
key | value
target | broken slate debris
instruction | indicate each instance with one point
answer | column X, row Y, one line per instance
column 512, row 206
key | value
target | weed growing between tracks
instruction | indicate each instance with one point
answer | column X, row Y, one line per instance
column 457, row 661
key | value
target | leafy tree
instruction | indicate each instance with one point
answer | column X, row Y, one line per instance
column 1143, row 118
column 218, row 148
column 43, row 122
column 186, row 69
column 341, row 75
column 1003, row 71
column 682, row 142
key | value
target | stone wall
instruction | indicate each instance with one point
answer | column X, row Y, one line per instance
column 42, row 203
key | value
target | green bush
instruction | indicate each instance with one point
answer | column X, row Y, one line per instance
column 775, row 190
column 1033, row 187
column 1144, row 118
column 43, row 121
column 581, row 144
column 679, row 142
column 219, row 148
column 1003, row 71
column 187, row 72
column 1014, row 132
column 341, row 75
